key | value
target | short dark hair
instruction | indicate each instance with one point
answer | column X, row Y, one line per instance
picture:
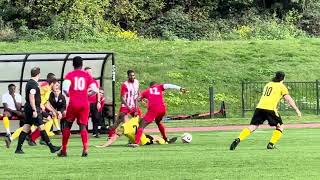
column 152, row 83
column 130, row 71
column 86, row 68
column 52, row 80
column 35, row 71
column 51, row 77
column 77, row 62
column 279, row 76
column 10, row 85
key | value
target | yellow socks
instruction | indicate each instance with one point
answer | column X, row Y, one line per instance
column 6, row 124
column 16, row 133
column 276, row 135
column 244, row 134
column 56, row 123
column 47, row 127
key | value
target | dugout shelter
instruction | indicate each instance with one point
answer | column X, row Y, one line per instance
column 15, row 69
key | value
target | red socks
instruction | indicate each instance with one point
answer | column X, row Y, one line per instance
column 35, row 135
column 85, row 139
column 162, row 130
column 138, row 135
column 65, row 138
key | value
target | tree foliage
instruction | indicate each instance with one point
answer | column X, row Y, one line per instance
column 170, row 19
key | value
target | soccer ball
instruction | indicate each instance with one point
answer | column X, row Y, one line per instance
column 186, row 138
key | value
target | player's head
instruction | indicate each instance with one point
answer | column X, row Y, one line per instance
column 77, row 62
column 52, row 82
column 88, row 70
column 101, row 91
column 51, row 77
column 278, row 77
column 152, row 83
column 131, row 75
column 12, row 88
column 35, row 72
column 56, row 86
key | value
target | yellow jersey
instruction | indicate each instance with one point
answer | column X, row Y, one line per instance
column 272, row 93
column 130, row 128
column 45, row 91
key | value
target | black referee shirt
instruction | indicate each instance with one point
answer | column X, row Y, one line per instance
column 32, row 84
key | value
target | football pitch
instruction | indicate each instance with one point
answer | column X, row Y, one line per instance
column 206, row 157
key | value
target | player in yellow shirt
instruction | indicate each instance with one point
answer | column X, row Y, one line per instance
column 129, row 129
column 267, row 110
column 45, row 90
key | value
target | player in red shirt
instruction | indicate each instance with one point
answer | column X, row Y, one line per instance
column 156, row 109
column 129, row 93
column 95, row 105
column 75, row 85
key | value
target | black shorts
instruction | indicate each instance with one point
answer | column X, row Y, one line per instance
column 28, row 119
column 45, row 114
column 261, row 115
column 150, row 139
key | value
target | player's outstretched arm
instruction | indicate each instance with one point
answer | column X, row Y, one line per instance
column 289, row 99
column 172, row 86
column 110, row 141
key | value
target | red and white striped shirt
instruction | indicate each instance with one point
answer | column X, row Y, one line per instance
column 130, row 91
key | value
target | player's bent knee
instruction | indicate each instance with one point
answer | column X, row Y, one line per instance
column 279, row 128
column 82, row 127
column 253, row 127
column 26, row 128
column 66, row 124
column 6, row 114
column 41, row 127
column 143, row 123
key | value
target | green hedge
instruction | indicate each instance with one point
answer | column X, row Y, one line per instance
column 170, row 20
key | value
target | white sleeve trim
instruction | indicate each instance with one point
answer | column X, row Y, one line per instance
column 94, row 87
column 66, row 85
column 33, row 91
column 171, row 86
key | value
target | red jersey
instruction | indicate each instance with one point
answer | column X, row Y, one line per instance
column 102, row 101
column 130, row 91
column 154, row 95
column 80, row 83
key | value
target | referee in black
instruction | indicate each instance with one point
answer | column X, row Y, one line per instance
column 33, row 115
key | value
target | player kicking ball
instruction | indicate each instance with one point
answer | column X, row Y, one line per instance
column 156, row 109
column 129, row 130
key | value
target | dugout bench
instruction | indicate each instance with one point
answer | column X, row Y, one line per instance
column 15, row 69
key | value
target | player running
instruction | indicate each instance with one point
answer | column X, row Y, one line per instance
column 76, row 84
column 267, row 110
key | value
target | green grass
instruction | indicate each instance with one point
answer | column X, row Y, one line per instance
column 194, row 64
column 207, row 157
column 233, row 121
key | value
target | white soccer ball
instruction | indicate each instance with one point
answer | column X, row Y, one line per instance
column 186, row 138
